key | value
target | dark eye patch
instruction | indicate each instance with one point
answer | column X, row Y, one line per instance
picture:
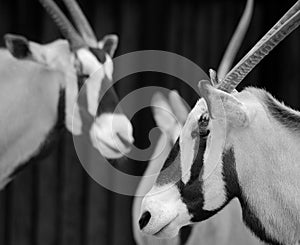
column 203, row 124
column 202, row 130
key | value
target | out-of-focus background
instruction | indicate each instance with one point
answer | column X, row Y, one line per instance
column 54, row 201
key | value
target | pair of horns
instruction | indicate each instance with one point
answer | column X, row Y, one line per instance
column 86, row 37
column 288, row 23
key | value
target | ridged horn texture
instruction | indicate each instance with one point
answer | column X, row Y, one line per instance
column 64, row 25
column 81, row 22
column 289, row 22
column 236, row 40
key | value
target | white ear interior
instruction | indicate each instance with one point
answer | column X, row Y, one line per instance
column 162, row 111
column 178, row 106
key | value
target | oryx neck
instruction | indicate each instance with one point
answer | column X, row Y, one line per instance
column 267, row 163
column 287, row 117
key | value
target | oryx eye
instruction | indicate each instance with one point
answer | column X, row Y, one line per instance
column 203, row 120
column 203, row 124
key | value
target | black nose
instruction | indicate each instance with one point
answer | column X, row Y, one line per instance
column 144, row 220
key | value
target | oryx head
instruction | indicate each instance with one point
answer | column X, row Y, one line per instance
column 82, row 58
column 199, row 176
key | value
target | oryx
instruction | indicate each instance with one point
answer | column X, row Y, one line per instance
column 224, row 228
column 241, row 145
column 39, row 88
column 170, row 114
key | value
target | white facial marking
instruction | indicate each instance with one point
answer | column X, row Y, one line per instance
column 104, row 134
column 108, row 67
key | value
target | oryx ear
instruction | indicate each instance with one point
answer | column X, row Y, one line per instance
column 21, row 48
column 109, row 44
column 222, row 105
column 18, row 46
column 178, row 106
column 162, row 112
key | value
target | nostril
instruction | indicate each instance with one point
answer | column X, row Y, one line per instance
column 144, row 220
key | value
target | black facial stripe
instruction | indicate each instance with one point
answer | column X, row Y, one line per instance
column 171, row 170
column 230, row 175
column 109, row 100
column 254, row 224
column 198, row 159
column 231, row 186
column 199, row 148
column 192, row 193
column 81, row 78
column 185, row 233
column 100, row 54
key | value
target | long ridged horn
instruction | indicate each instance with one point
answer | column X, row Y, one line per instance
column 81, row 22
column 66, row 28
column 236, row 41
column 289, row 22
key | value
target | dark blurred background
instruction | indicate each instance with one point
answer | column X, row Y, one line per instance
column 54, row 201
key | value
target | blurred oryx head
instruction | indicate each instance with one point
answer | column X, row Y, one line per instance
column 81, row 58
